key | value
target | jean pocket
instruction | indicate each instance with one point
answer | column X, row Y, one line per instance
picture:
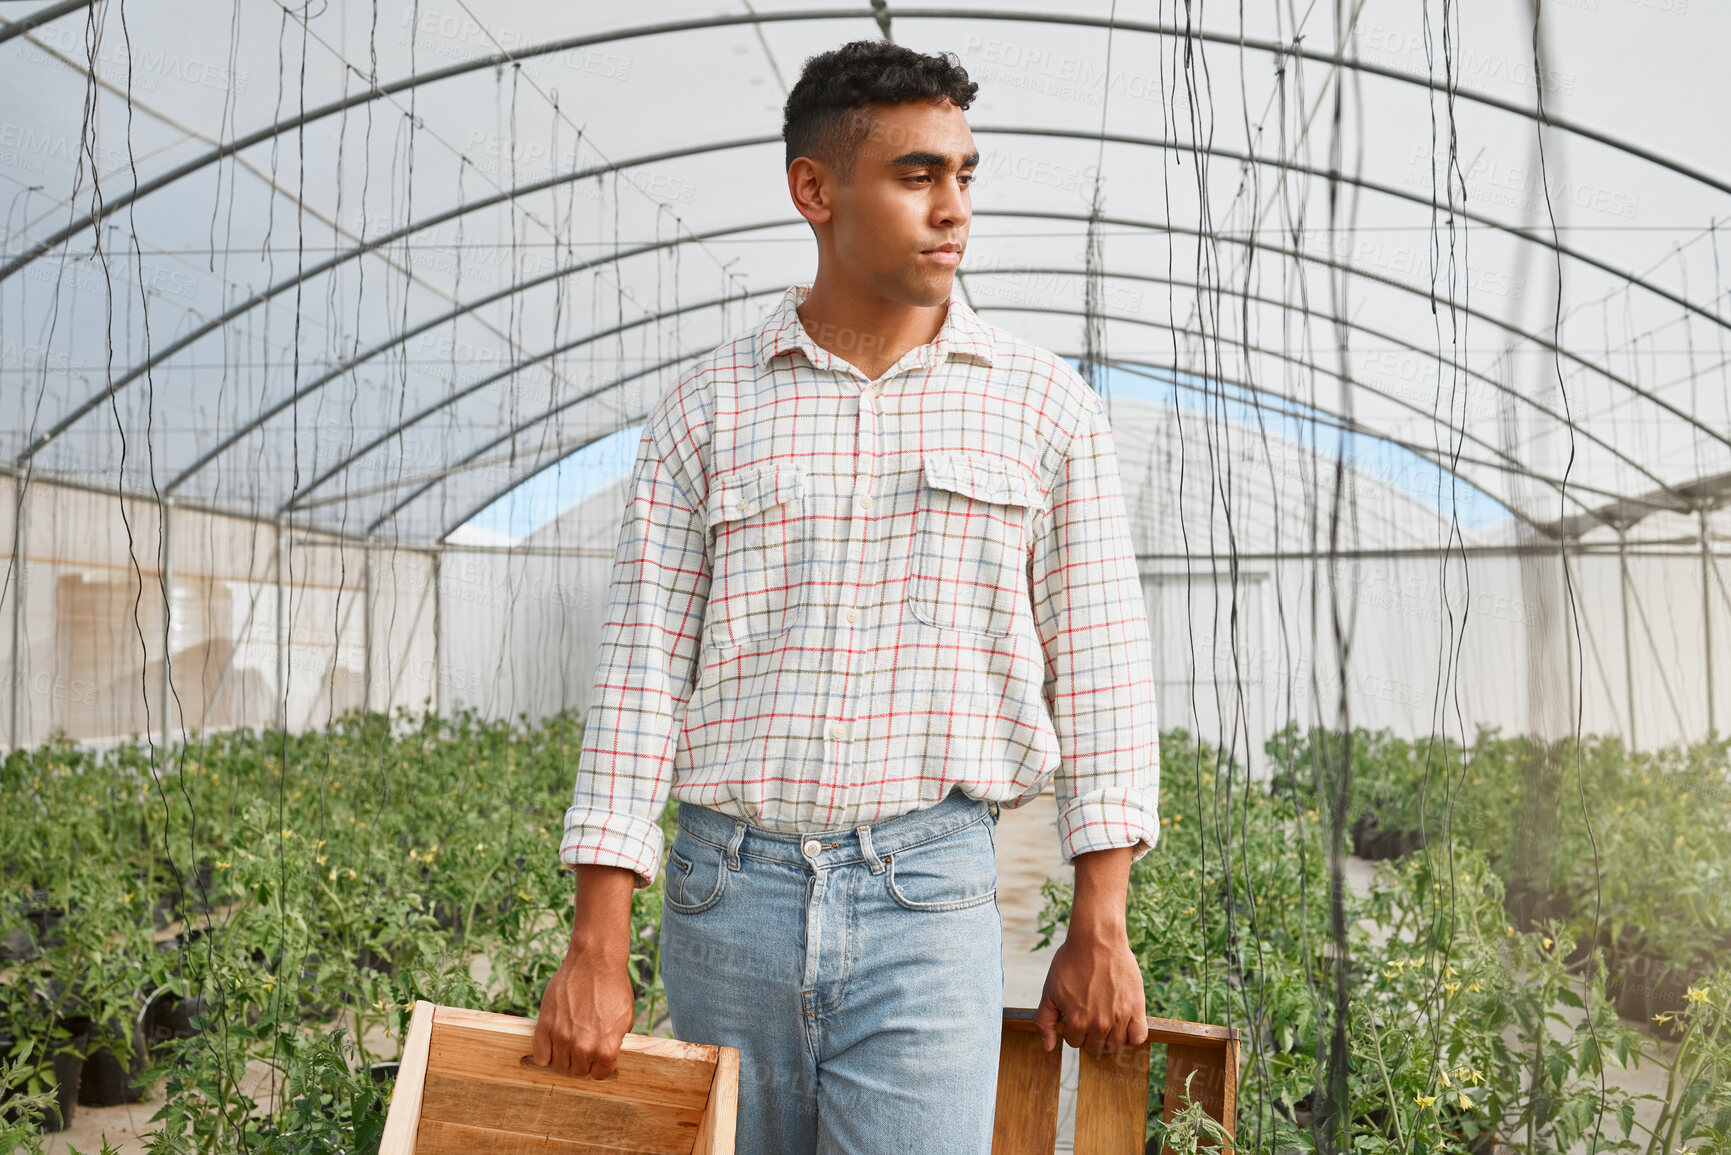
column 954, row 872
column 970, row 540
column 757, row 517
column 696, row 875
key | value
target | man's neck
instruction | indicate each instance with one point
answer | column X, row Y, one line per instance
column 867, row 331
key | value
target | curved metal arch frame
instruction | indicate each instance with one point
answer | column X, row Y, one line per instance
column 500, row 59
column 1508, row 465
column 549, row 413
column 1358, row 327
column 1166, row 375
column 295, row 501
column 458, row 465
column 1290, row 253
column 1365, row 274
column 41, row 16
column 236, row 311
column 302, row 392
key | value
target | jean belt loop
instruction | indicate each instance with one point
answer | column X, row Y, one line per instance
column 865, row 846
column 733, row 846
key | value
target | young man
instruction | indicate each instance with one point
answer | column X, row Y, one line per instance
column 874, row 581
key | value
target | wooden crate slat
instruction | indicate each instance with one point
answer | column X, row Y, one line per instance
column 1162, row 1031
column 1026, row 1122
column 405, row 1112
column 1111, row 1102
column 560, row 1112
column 647, row 1074
column 721, row 1115
column 440, row 1138
column 1206, row 1069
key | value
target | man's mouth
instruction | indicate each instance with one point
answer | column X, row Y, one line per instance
column 945, row 254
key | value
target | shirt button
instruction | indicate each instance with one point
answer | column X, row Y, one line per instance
column 865, row 502
column 838, row 731
column 852, row 616
column 812, row 848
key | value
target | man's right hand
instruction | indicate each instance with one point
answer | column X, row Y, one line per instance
column 588, row 1006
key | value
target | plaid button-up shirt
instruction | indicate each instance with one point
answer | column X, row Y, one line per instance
column 835, row 599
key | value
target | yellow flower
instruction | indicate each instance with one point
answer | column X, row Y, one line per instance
column 1451, row 988
column 1466, row 1103
column 321, row 860
column 1444, row 1075
column 1474, row 986
column 224, row 864
column 1699, row 994
column 479, row 847
column 1662, row 1019
column 1546, row 941
column 1424, row 1100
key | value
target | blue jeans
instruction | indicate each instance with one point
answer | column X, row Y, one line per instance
column 859, row 972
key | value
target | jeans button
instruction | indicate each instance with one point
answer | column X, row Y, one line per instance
column 811, row 848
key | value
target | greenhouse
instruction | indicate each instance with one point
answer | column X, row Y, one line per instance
column 322, row 395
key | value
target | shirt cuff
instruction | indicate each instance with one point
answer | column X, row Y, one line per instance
column 605, row 838
column 1108, row 818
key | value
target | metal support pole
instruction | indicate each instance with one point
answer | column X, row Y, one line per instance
column 167, row 568
column 282, row 621
column 1628, row 653
column 1707, row 623
column 438, row 631
column 367, row 629
column 18, row 579
column 1569, row 625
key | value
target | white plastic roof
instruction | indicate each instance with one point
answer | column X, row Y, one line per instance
column 370, row 267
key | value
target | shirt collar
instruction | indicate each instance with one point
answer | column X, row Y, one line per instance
column 962, row 334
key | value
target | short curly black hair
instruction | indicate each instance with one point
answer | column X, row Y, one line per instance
column 859, row 74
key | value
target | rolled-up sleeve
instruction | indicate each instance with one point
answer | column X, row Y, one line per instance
column 1093, row 625
column 644, row 671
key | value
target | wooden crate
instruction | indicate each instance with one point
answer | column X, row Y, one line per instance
column 467, row 1083
column 1111, row 1090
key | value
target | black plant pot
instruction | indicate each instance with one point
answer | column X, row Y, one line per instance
column 1374, row 844
column 108, row 1082
column 383, row 1072
column 170, row 1017
column 68, row 1068
column 17, row 945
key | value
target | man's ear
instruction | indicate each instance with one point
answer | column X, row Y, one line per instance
column 810, row 185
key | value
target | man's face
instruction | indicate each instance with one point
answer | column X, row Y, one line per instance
column 908, row 200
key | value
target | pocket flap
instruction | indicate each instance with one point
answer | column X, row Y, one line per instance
column 744, row 492
column 982, row 478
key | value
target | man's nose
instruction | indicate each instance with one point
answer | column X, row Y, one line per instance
column 952, row 208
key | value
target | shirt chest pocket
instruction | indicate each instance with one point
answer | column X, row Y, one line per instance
column 756, row 522
column 970, row 549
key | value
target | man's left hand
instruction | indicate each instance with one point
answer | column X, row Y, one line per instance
column 1093, row 995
